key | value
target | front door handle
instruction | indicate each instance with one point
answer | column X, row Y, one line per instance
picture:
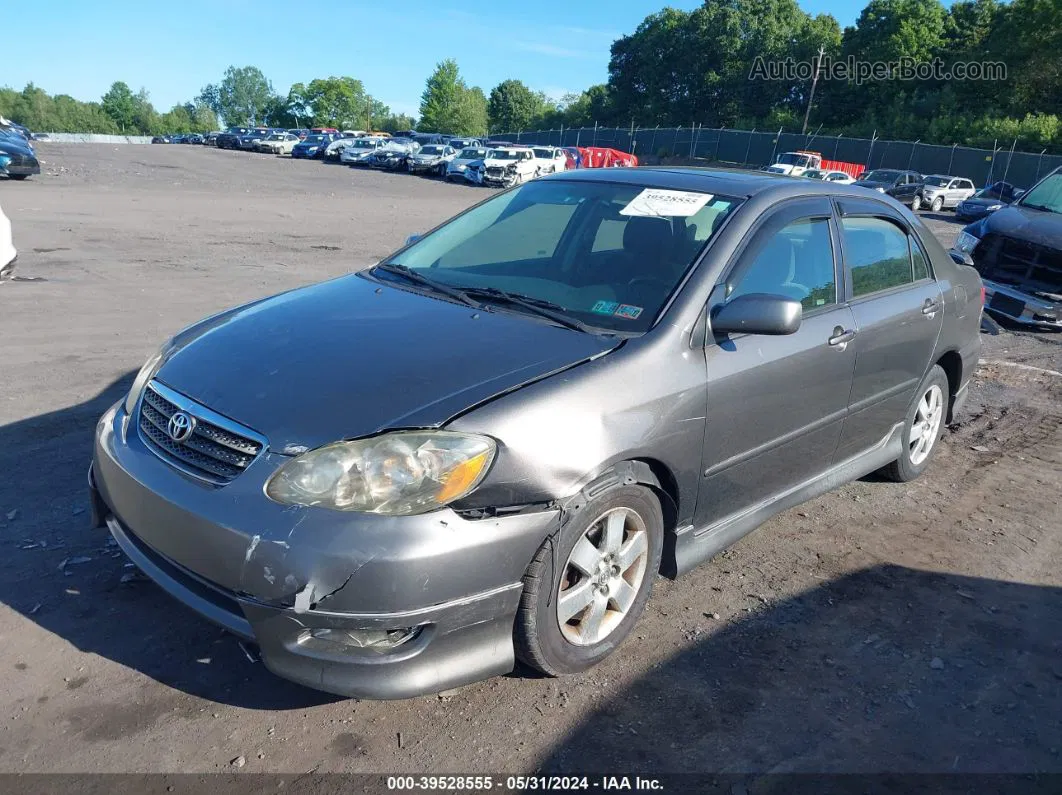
column 930, row 307
column 841, row 336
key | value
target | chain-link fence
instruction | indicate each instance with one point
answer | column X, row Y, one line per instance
column 752, row 149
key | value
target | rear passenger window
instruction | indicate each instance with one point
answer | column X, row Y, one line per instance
column 918, row 261
column 878, row 254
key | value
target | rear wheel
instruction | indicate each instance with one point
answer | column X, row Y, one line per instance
column 921, row 430
column 575, row 613
column 916, row 203
column 18, row 176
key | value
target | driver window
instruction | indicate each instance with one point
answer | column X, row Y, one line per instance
column 794, row 262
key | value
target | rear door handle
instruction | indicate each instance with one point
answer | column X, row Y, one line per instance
column 841, row 336
column 930, row 307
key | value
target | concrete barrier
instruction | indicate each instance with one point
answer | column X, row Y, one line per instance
column 93, row 138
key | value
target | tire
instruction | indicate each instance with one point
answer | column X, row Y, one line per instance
column 442, row 170
column 918, row 452
column 916, row 204
column 937, row 204
column 17, row 176
column 542, row 641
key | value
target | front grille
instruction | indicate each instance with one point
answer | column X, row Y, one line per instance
column 216, row 451
column 1028, row 266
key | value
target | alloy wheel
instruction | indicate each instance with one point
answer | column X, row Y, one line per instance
column 602, row 577
column 926, row 425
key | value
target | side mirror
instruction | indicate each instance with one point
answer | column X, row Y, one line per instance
column 412, row 239
column 757, row 313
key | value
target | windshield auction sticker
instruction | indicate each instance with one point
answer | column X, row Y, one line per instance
column 655, row 202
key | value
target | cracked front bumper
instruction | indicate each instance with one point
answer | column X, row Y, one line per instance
column 274, row 574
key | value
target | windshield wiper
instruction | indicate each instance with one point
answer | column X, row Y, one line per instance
column 537, row 306
column 1039, row 207
column 415, row 276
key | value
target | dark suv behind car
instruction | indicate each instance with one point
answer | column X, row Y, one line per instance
column 904, row 186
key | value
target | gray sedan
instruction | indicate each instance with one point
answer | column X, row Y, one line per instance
column 486, row 447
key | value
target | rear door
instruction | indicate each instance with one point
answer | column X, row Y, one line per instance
column 898, row 312
column 776, row 404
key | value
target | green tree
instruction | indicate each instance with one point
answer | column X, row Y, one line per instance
column 338, row 102
column 243, row 95
column 513, row 107
column 120, row 103
column 393, row 122
column 441, row 104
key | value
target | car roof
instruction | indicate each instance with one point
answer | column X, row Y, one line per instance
column 726, row 182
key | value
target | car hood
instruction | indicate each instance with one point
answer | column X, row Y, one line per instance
column 350, row 357
column 981, row 201
column 1033, row 226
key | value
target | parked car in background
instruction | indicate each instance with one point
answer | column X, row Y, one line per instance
column 904, row 186
column 572, row 387
column 944, row 192
column 40, row 137
column 356, row 151
column 458, row 167
column 250, row 139
column 465, row 143
column 228, row 139
column 335, row 149
column 392, row 155
column 549, row 159
column 828, row 176
column 508, row 166
column 313, row 146
column 194, row 138
column 162, row 139
column 987, row 200
column 300, row 133
column 211, row 138
column 8, row 254
column 1017, row 249
column 431, row 159
column 278, row 143
column 17, row 158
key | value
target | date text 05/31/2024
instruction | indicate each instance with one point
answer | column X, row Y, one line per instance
column 524, row 783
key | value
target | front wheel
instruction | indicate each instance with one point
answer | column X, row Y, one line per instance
column 937, row 204
column 576, row 613
column 18, row 176
column 922, row 427
column 442, row 171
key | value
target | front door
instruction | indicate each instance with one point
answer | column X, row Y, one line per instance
column 898, row 312
column 776, row 404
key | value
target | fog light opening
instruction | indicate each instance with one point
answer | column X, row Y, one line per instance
column 377, row 640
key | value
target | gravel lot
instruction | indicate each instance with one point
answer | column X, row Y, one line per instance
column 882, row 627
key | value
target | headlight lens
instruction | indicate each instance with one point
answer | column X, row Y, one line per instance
column 994, row 207
column 147, row 372
column 400, row 473
column 966, row 242
column 880, row 190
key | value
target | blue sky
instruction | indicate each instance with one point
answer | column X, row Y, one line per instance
column 174, row 48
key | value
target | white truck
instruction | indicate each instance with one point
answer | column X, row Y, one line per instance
column 794, row 164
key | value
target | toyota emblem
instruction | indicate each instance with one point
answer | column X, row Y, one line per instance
column 180, row 426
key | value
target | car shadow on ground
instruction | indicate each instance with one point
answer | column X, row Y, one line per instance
column 887, row 670
column 44, row 522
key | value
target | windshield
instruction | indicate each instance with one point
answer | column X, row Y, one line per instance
column 361, row 144
column 1045, row 196
column 431, row 150
column 277, row 137
column 815, row 174
column 937, row 182
column 314, row 139
column 881, row 175
column 792, row 159
column 472, row 154
column 502, row 154
column 609, row 255
column 544, row 154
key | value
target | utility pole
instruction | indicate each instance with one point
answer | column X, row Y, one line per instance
column 811, row 96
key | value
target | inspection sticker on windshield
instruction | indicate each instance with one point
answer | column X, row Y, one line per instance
column 605, row 307
column 656, row 202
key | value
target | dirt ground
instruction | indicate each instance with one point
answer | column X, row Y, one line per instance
column 883, row 627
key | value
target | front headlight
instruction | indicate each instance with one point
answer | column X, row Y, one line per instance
column 880, row 189
column 993, row 207
column 399, row 473
column 312, row 149
column 147, row 372
column 966, row 242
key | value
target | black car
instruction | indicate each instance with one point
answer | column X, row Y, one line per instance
column 194, row 138
column 251, row 138
column 229, row 138
column 987, row 200
column 162, row 139
column 1018, row 252
column 17, row 159
column 904, row 186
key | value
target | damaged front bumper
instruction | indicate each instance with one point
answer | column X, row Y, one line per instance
column 316, row 589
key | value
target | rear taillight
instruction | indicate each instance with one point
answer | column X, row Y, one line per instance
column 982, row 295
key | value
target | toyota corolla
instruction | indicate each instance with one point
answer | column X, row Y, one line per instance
column 486, row 447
